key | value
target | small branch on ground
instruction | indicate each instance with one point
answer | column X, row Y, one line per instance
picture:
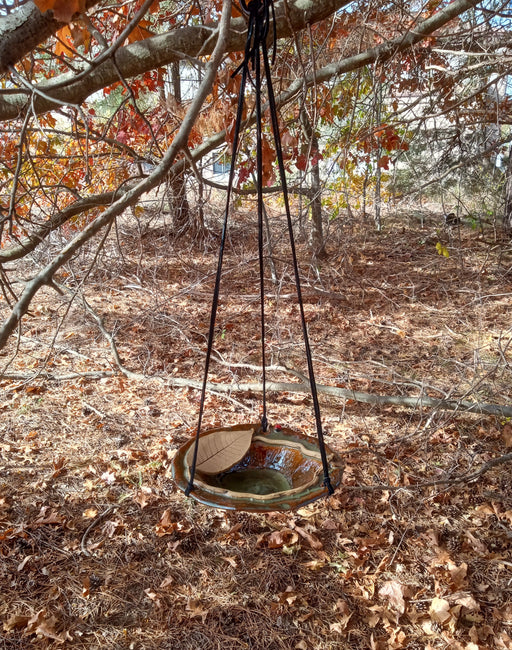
column 482, row 408
column 448, row 482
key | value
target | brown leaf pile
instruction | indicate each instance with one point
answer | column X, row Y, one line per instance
column 98, row 550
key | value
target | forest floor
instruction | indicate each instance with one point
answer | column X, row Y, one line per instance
column 98, row 549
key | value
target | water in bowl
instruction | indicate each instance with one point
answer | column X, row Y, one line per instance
column 255, row 481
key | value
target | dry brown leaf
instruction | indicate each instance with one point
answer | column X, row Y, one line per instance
column 507, row 435
column 458, row 574
column 394, row 592
column 336, row 627
column 44, row 626
column 376, row 644
column 314, row 564
column 506, row 614
column 508, row 516
column 397, row 639
column 329, row 524
column 344, row 615
column 46, row 517
column 86, row 586
column 313, row 541
column 195, row 610
column 280, row 538
column 111, row 527
column 220, row 450
column 143, row 498
column 80, row 35
column 166, row 525
column 375, row 616
column 166, row 582
column 476, row 545
column 16, row 622
column 439, row 610
column 503, row 642
column 467, row 601
column 288, row 596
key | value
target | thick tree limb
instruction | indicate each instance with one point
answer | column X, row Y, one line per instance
column 21, row 31
column 358, row 396
column 142, row 56
column 24, row 29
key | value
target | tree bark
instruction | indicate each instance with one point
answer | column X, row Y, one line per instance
column 378, row 153
column 24, row 29
column 507, row 215
column 317, row 240
column 177, row 189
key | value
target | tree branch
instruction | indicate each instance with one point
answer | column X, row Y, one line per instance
column 45, row 276
column 24, row 29
column 448, row 482
column 33, row 240
column 190, row 41
column 481, row 408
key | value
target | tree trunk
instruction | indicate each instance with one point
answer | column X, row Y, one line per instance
column 378, row 171
column 507, row 215
column 177, row 189
column 178, row 204
column 317, row 241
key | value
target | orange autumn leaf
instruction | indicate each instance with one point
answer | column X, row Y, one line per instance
column 63, row 10
column 44, row 5
column 140, row 32
column 63, row 44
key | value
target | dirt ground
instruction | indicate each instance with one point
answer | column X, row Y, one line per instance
column 100, row 550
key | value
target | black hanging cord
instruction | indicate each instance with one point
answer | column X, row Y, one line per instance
column 216, row 290
column 259, row 176
column 258, row 13
column 309, row 357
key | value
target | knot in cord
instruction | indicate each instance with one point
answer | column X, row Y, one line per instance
column 258, row 14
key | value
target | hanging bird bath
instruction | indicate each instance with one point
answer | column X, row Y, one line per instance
column 256, row 467
column 242, row 468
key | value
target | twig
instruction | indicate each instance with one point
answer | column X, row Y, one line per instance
column 95, row 410
column 449, row 482
column 19, row 162
column 110, row 339
column 93, row 525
